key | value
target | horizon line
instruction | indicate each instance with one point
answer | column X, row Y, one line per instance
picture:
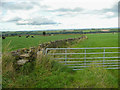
column 60, row 29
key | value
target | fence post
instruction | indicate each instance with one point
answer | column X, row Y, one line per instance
column 85, row 57
column 65, row 56
column 46, row 51
column 103, row 57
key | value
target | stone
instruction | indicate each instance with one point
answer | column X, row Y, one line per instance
column 39, row 52
column 22, row 62
column 25, row 55
column 40, row 45
column 32, row 48
column 18, row 50
column 13, row 52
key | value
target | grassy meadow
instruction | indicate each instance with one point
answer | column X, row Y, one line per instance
column 95, row 40
column 48, row 73
column 23, row 42
column 88, row 78
column 99, row 40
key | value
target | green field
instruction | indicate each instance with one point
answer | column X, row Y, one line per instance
column 95, row 40
column 99, row 40
column 23, row 42
column 50, row 74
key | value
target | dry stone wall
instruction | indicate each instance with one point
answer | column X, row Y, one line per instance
column 25, row 55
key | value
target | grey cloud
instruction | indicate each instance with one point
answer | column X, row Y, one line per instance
column 38, row 4
column 78, row 11
column 15, row 19
column 113, row 9
column 68, row 14
column 17, row 5
column 67, row 10
column 33, row 21
column 37, row 21
column 21, row 5
column 113, row 16
column 61, row 15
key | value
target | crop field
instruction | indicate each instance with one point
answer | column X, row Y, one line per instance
column 23, row 42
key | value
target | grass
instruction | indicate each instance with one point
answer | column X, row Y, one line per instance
column 99, row 40
column 95, row 40
column 23, row 42
column 0, row 45
column 47, row 73
column 95, row 78
column 88, row 77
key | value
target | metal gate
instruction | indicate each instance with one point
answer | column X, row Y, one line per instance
column 79, row 58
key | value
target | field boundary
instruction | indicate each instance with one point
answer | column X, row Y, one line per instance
column 87, row 61
column 25, row 55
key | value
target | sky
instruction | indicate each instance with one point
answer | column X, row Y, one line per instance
column 20, row 15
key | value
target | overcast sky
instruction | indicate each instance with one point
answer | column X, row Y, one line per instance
column 22, row 15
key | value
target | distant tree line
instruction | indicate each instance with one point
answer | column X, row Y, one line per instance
column 83, row 32
column 48, row 33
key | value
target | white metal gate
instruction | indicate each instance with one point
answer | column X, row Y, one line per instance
column 107, row 57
